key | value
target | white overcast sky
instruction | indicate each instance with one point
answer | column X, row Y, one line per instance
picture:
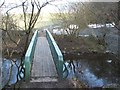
column 48, row 8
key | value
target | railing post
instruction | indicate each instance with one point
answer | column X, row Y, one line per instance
column 60, row 60
column 27, row 68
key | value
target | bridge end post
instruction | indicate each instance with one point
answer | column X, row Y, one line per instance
column 27, row 69
column 60, row 65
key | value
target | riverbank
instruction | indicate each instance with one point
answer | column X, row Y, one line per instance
column 14, row 44
column 80, row 46
column 89, row 62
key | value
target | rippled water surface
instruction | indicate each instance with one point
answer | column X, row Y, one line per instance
column 9, row 72
column 96, row 71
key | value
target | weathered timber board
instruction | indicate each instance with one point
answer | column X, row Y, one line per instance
column 43, row 64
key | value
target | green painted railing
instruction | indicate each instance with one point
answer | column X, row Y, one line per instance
column 29, row 55
column 56, row 53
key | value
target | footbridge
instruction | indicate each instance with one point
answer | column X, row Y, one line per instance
column 43, row 60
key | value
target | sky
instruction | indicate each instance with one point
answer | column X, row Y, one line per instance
column 48, row 9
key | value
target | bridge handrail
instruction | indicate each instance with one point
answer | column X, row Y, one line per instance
column 29, row 55
column 56, row 53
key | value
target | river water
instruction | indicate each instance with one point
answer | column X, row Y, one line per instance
column 9, row 72
column 96, row 71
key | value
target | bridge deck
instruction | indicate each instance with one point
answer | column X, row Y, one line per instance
column 43, row 67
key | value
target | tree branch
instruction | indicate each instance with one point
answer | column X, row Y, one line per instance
column 31, row 18
column 2, row 4
column 24, row 14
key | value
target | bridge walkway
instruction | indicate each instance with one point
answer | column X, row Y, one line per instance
column 43, row 67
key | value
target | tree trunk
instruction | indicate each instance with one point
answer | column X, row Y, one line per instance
column 26, row 42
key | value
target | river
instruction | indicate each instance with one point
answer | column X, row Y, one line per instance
column 97, row 71
column 9, row 72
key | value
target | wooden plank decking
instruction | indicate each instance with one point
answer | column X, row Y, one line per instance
column 43, row 67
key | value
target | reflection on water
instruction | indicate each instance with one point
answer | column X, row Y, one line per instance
column 9, row 72
column 95, row 72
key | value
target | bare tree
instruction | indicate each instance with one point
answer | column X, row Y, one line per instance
column 29, row 22
column 10, row 25
column 2, row 3
column 33, row 18
column 73, row 18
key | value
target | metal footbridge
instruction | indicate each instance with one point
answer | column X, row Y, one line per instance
column 43, row 60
